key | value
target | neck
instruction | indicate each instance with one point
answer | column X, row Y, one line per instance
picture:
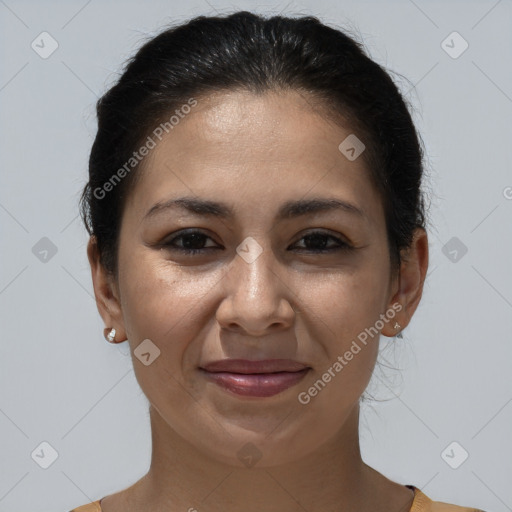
column 332, row 478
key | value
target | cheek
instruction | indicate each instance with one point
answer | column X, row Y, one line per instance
column 166, row 304
column 169, row 307
column 344, row 305
column 342, row 309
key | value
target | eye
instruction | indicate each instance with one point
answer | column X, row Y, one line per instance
column 318, row 242
column 192, row 242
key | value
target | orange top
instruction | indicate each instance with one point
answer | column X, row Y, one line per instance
column 421, row 503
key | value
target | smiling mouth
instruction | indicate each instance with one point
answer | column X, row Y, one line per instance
column 255, row 378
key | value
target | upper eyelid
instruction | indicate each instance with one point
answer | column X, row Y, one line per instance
column 187, row 232
column 313, row 231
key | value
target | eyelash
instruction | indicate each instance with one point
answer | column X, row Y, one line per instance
column 342, row 246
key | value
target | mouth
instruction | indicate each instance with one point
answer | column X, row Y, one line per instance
column 255, row 378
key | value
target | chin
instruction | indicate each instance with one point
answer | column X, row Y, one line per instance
column 261, row 442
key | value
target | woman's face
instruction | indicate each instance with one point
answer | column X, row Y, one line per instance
column 270, row 278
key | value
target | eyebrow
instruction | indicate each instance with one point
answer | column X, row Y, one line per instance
column 288, row 210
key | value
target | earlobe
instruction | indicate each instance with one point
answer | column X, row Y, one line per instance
column 105, row 292
column 411, row 278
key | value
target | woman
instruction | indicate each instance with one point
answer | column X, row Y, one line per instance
column 256, row 222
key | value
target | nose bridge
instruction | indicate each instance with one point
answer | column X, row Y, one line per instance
column 255, row 297
column 255, row 270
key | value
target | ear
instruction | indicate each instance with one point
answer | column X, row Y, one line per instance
column 106, row 292
column 408, row 287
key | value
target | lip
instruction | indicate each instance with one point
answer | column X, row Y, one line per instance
column 262, row 378
column 248, row 366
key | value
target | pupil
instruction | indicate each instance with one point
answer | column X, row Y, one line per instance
column 192, row 241
column 317, row 240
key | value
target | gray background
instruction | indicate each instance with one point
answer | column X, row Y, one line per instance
column 62, row 383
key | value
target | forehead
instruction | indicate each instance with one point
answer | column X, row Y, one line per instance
column 285, row 123
column 237, row 145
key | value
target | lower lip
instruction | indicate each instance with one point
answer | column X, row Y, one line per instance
column 256, row 384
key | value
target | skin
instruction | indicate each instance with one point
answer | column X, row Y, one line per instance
column 255, row 153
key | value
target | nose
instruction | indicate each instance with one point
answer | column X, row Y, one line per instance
column 256, row 297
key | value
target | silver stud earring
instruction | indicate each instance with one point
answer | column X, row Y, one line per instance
column 111, row 336
column 398, row 334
